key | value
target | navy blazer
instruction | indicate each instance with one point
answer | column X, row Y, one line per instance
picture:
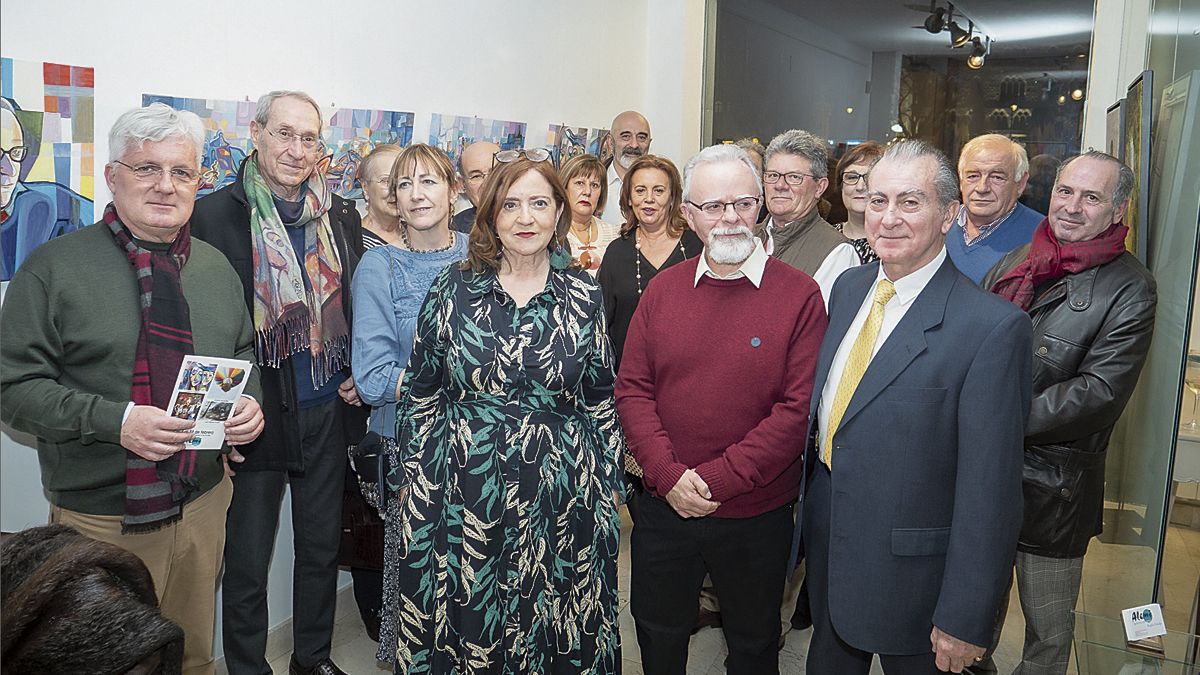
column 925, row 500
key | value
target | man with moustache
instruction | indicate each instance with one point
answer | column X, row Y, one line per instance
column 912, row 501
column 294, row 244
column 793, row 180
column 717, row 439
column 474, row 165
column 96, row 325
column 1092, row 304
column 630, row 139
column 992, row 173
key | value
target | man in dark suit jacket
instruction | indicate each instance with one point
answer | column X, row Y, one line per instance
column 912, row 503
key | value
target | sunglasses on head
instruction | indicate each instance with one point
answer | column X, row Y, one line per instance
column 532, row 154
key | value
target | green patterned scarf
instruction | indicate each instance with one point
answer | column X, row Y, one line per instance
column 296, row 308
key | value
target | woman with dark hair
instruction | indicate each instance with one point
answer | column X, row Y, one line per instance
column 507, row 472
column 852, row 171
column 655, row 236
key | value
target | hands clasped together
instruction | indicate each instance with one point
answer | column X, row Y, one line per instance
column 691, row 497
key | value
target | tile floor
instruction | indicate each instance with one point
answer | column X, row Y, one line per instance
column 1104, row 569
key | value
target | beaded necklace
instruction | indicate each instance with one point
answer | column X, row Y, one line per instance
column 637, row 256
column 408, row 245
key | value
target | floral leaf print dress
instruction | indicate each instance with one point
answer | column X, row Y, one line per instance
column 504, row 547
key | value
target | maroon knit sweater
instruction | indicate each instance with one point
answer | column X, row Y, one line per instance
column 718, row 378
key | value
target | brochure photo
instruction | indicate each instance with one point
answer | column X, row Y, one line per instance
column 207, row 393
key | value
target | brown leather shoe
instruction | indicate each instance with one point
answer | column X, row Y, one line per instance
column 707, row 619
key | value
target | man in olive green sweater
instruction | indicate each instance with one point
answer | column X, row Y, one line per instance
column 95, row 326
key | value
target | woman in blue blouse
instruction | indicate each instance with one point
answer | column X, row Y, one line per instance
column 389, row 286
column 509, row 448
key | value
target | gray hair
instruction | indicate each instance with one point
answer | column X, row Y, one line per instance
column 714, row 154
column 1001, row 142
column 945, row 180
column 1124, row 174
column 154, row 123
column 267, row 100
column 804, row 144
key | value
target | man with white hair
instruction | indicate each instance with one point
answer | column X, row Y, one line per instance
column 95, row 327
column 295, row 245
column 717, row 438
column 992, row 173
column 630, row 138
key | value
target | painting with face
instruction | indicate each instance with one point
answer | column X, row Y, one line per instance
column 47, row 166
column 349, row 135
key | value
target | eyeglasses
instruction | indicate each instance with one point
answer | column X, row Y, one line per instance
column 286, row 136
column 716, row 208
column 382, row 181
column 792, row 178
column 152, row 173
column 532, row 154
column 852, row 178
column 16, row 152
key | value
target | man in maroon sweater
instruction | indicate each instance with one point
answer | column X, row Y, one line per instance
column 713, row 394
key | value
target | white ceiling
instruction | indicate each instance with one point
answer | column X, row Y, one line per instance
column 1018, row 28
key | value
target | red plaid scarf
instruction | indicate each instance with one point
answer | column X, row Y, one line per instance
column 155, row 491
column 1048, row 260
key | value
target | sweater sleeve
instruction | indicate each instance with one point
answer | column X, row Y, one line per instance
column 778, row 440
column 636, row 406
column 376, row 366
column 31, row 399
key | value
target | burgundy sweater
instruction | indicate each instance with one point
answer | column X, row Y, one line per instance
column 718, row 378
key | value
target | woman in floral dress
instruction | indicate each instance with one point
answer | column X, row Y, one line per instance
column 508, row 470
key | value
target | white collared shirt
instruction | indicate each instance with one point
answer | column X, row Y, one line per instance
column 907, row 290
column 614, row 196
column 752, row 268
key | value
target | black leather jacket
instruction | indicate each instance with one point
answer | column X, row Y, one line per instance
column 1091, row 332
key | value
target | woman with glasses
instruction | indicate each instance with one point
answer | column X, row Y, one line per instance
column 508, row 473
column 381, row 225
column 585, row 179
column 852, row 172
column 389, row 286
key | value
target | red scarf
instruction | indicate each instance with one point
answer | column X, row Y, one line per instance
column 1049, row 259
column 155, row 491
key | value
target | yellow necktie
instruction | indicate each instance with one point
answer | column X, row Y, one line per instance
column 856, row 365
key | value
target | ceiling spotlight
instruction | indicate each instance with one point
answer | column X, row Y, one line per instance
column 1062, row 100
column 936, row 21
column 958, row 36
column 1077, row 95
column 979, row 53
column 849, row 110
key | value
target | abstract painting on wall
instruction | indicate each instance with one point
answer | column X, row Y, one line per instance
column 47, row 162
column 565, row 142
column 453, row 133
column 598, row 144
column 350, row 133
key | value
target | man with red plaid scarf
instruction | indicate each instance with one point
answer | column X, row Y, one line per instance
column 1092, row 306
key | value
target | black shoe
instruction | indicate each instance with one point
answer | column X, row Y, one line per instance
column 323, row 667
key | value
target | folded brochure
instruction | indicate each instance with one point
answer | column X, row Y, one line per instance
column 206, row 393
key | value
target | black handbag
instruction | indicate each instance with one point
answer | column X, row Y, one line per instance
column 369, row 460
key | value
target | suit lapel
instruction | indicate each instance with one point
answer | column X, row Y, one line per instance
column 835, row 332
column 906, row 341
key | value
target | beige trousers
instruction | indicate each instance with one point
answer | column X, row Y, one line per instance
column 184, row 560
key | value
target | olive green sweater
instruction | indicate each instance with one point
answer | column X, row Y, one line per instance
column 68, row 332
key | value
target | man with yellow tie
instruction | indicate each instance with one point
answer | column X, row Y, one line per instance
column 912, row 501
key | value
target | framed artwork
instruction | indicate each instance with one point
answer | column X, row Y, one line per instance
column 1136, row 156
column 452, row 133
column 1114, row 143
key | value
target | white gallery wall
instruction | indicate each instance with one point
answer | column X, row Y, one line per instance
column 536, row 61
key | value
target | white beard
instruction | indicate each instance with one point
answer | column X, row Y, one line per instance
column 730, row 252
column 626, row 161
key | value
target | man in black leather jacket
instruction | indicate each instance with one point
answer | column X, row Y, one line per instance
column 1092, row 305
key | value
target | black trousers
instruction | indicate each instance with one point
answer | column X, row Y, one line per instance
column 249, row 542
column 746, row 559
column 828, row 654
